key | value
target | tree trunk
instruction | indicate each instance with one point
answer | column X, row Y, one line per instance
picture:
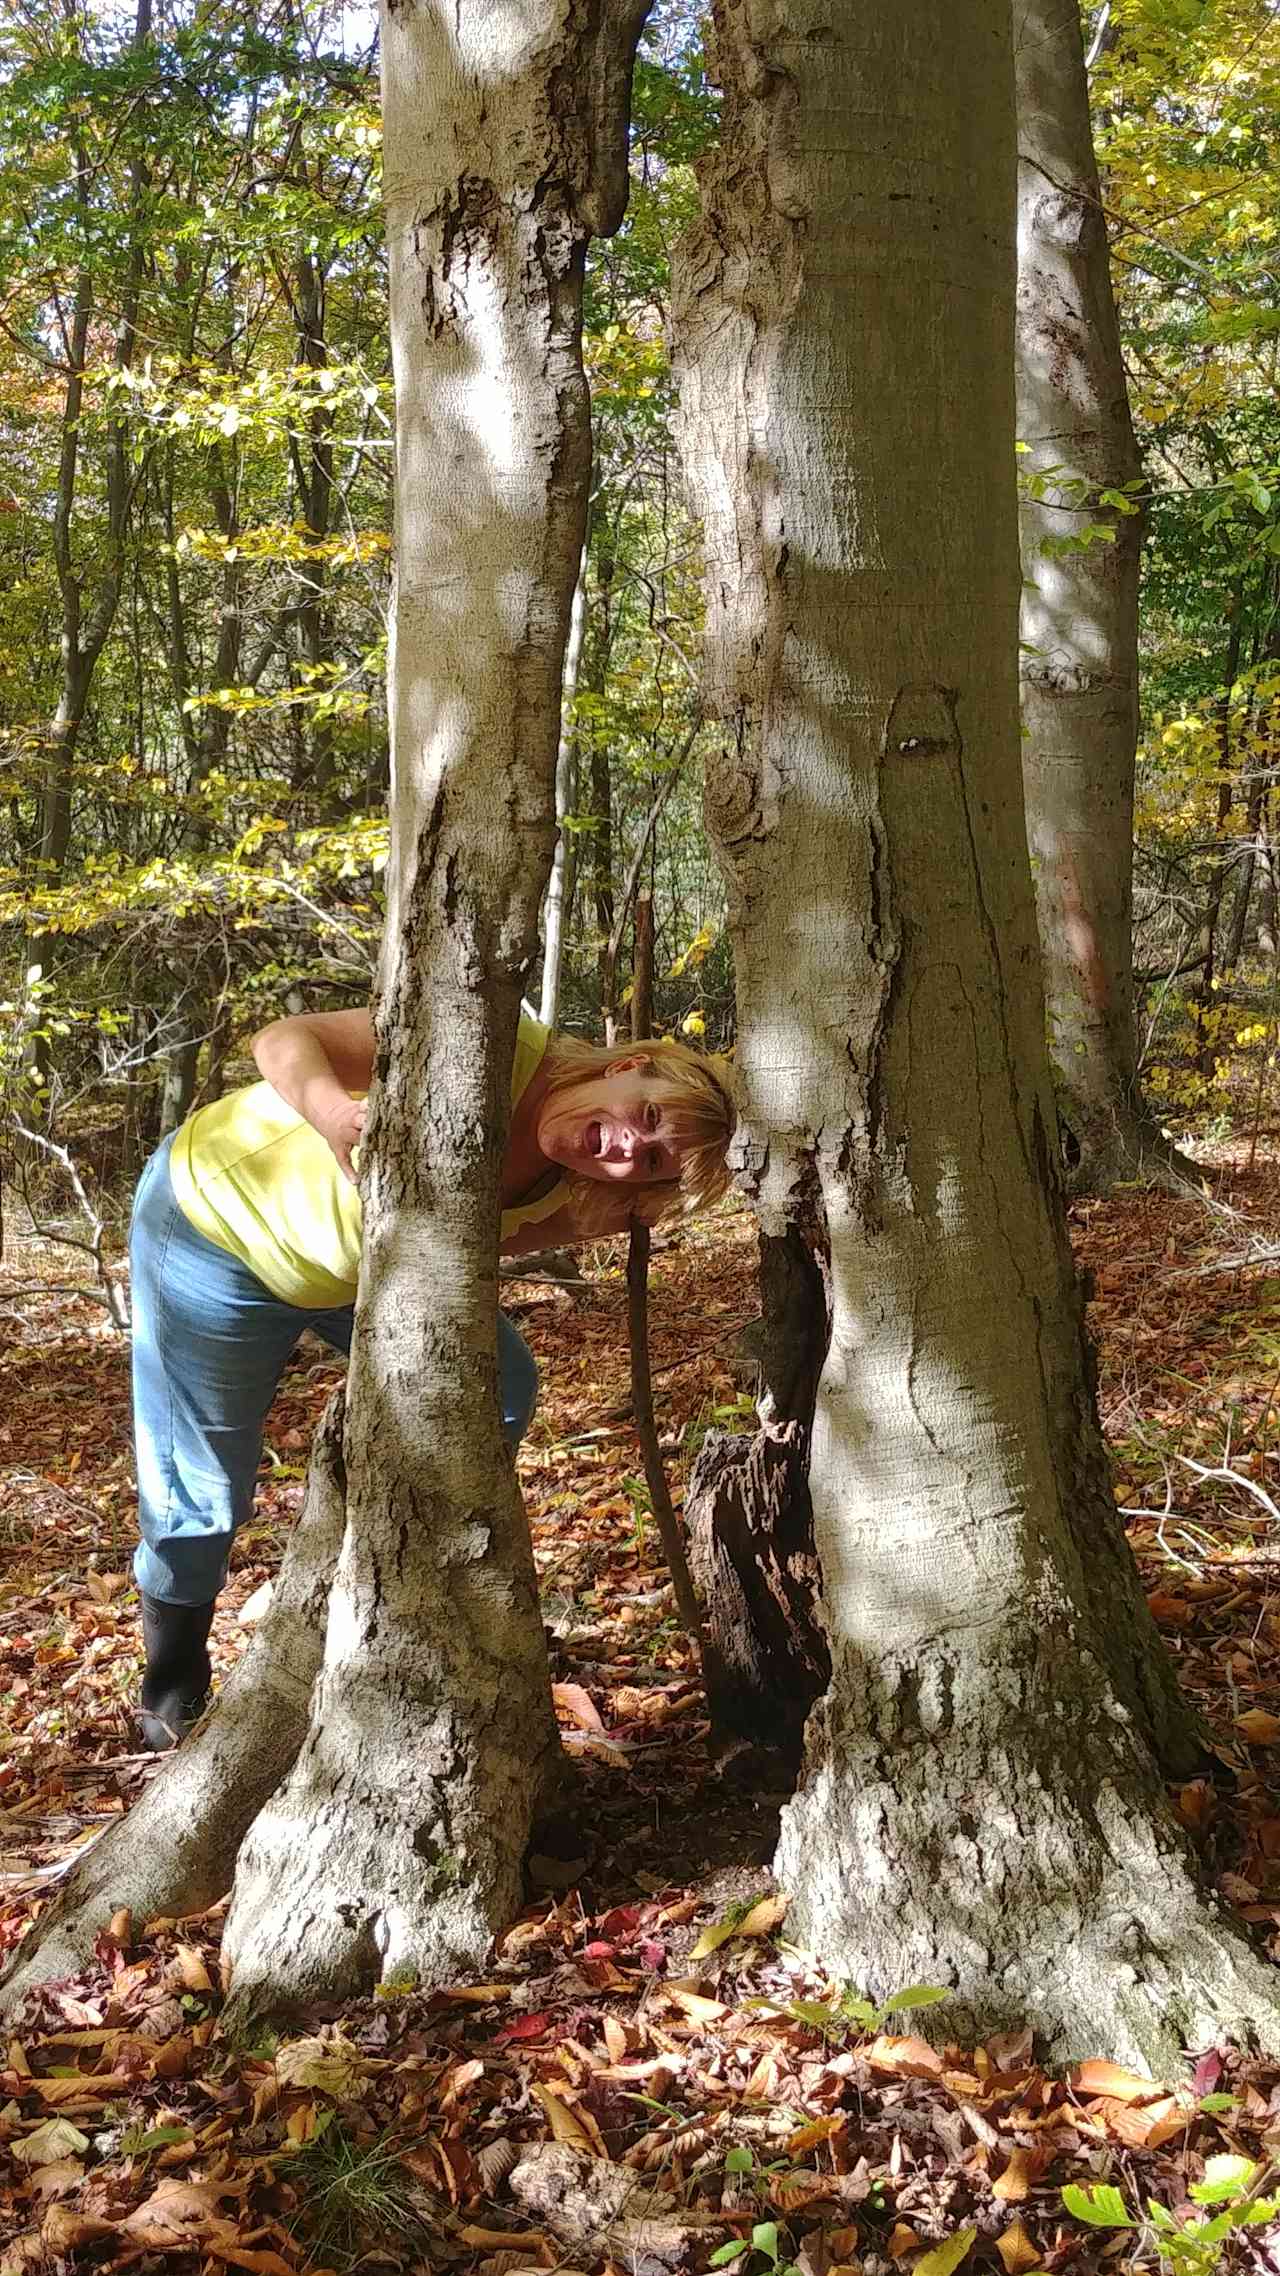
column 1206, row 1011
column 594, row 678
column 764, row 1650
column 642, row 967
column 313, row 467
column 84, row 634
column 395, row 1847
column 749, row 1516
column 1079, row 608
column 558, row 906
column 1255, row 784
column 981, row 1804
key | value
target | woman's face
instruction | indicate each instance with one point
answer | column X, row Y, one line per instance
column 620, row 1127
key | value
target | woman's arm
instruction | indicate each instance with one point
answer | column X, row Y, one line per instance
column 557, row 1231
column 315, row 1061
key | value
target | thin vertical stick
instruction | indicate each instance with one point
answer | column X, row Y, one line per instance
column 646, row 1431
column 638, row 1319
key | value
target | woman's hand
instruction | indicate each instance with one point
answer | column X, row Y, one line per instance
column 342, row 1130
column 315, row 1060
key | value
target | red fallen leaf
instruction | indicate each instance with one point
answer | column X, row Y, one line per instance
column 622, row 1922
column 652, row 1956
column 1207, row 2072
column 1170, row 1611
column 524, row 2027
column 598, row 1951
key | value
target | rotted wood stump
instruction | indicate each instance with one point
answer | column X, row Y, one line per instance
column 750, row 1531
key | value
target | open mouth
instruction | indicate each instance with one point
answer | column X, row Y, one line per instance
column 593, row 1137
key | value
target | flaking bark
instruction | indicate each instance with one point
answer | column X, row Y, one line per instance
column 981, row 1805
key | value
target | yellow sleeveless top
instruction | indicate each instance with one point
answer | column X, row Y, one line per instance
column 259, row 1182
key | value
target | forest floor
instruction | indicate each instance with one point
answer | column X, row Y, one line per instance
column 644, row 2030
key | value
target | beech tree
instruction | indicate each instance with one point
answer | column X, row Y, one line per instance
column 1081, row 549
column 981, row 1804
column 393, row 1844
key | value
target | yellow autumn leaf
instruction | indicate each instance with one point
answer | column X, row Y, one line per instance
column 948, row 2255
column 716, row 1933
column 564, row 2126
column 764, row 1917
column 57, row 2138
column 326, row 2066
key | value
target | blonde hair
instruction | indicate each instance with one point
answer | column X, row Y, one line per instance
column 700, row 1083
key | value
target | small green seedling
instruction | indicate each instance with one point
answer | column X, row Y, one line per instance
column 765, row 2244
column 1191, row 2247
column 849, row 2011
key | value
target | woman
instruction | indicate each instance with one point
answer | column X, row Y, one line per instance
column 246, row 1231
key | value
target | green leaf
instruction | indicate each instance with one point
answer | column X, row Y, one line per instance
column 716, row 1933
column 1102, row 2206
column 764, row 2238
column 724, row 2253
column 1211, row 2104
column 1225, row 2176
column 916, row 1995
column 739, row 2161
column 948, row 2255
column 815, row 2011
column 159, row 2137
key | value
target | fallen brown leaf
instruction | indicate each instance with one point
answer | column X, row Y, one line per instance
column 564, row 2125
column 1015, row 2182
column 64, row 2231
column 908, row 2056
column 1017, row 2251
column 1111, row 2079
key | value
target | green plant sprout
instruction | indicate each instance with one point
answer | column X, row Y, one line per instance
column 1191, row 2247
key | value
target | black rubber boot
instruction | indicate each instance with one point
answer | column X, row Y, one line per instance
column 175, row 1685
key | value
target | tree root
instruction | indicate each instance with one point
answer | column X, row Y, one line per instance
column 1055, row 1893
column 176, row 1850
column 395, row 1849
column 1126, row 1149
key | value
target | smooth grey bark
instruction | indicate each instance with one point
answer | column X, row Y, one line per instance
column 982, row 1804
column 395, row 1847
column 1079, row 609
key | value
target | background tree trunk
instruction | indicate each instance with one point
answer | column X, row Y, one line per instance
column 1079, row 608
column 981, row 1801
column 558, row 906
column 395, row 1847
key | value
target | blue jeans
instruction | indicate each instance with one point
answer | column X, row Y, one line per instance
column 210, row 1344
